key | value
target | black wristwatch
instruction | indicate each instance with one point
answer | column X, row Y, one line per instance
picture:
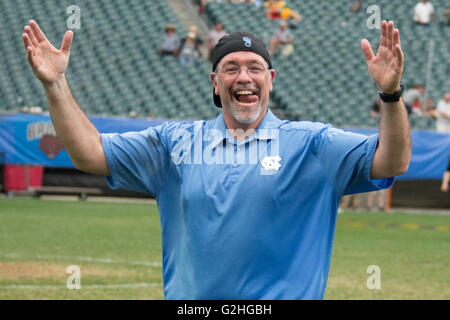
column 391, row 97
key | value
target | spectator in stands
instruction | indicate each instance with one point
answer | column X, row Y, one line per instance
column 431, row 111
column 443, row 114
column 413, row 98
column 214, row 36
column 282, row 40
column 446, row 178
column 424, row 13
column 189, row 52
column 356, row 5
column 193, row 30
column 170, row 42
column 276, row 9
column 258, row 3
column 418, row 108
column 202, row 6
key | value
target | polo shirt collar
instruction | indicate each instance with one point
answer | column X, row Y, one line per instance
column 265, row 131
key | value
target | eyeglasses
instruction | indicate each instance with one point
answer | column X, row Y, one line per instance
column 253, row 70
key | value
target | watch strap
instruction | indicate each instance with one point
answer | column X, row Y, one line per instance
column 391, row 97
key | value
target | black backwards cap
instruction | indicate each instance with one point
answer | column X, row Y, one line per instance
column 237, row 41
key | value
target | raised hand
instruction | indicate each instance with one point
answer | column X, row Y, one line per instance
column 386, row 67
column 48, row 63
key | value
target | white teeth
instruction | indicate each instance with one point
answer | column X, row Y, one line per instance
column 244, row 92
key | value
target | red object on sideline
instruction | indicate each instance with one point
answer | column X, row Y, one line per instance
column 22, row 177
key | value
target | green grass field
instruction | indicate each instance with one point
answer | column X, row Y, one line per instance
column 118, row 249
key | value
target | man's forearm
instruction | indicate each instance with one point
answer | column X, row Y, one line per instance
column 79, row 136
column 394, row 150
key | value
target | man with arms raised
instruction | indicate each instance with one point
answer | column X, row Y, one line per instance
column 256, row 224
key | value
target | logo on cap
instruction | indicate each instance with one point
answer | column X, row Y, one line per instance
column 248, row 41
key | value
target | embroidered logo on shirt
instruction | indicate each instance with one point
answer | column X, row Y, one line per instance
column 271, row 163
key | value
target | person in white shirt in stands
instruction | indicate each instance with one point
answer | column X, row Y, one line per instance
column 414, row 98
column 424, row 13
column 443, row 114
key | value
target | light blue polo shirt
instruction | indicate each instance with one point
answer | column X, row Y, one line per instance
column 249, row 220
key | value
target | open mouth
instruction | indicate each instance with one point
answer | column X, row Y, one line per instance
column 246, row 96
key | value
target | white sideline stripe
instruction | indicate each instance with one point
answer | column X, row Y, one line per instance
column 92, row 286
column 89, row 259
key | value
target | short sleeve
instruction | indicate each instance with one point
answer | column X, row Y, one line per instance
column 346, row 158
column 138, row 161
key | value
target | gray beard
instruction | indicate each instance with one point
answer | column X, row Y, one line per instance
column 242, row 114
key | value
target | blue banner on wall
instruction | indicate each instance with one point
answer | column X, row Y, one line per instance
column 430, row 154
column 31, row 139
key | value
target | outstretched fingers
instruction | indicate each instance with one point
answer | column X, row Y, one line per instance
column 30, row 57
column 29, row 48
column 399, row 54
column 383, row 34
column 27, row 41
column 67, row 42
column 37, row 32
column 390, row 38
column 367, row 50
column 389, row 35
column 396, row 43
column 33, row 39
column 397, row 48
column 396, row 37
